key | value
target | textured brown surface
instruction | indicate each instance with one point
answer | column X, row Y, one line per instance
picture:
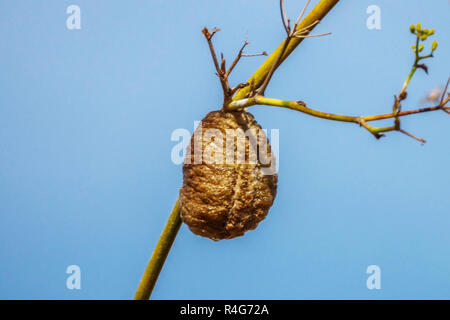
column 223, row 201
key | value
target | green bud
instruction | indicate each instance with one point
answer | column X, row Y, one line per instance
column 423, row 37
column 421, row 47
column 431, row 32
column 413, row 47
column 419, row 27
column 412, row 28
column 426, row 31
column 434, row 45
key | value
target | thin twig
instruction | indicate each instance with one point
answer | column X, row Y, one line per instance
column 316, row 14
column 208, row 37
column 371, row 129
column 422, row 141
column 444, row 92
column 255, row 54
column 314, row 35
column 219, row 69
column 275, row 65
column 239, row 87
column 236, row 60
column 284, row 18
column 302, row 13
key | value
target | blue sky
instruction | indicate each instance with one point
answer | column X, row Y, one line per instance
column 86, row 176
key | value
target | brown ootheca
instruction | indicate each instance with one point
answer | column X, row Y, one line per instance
column 229, row 180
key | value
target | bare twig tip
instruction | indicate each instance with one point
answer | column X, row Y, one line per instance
column 422, row 141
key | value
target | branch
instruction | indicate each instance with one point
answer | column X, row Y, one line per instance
column 421, row 35
column 221, row 71
column 316, row 14
column 275, row 65
column 170, row 231
column 296, row 32
column 240, row 55
column 362, row 121
column 159, row 255
column 284, row 18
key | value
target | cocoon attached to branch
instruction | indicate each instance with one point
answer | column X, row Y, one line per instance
column 229, row 182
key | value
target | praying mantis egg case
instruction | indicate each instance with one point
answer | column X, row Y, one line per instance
column 222, row 197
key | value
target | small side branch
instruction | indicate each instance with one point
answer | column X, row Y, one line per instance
column 360, row 120
column 159, row 255
column 170, row 231
column 221, row 70
column 377, row 132
column 275, row 65
column 291, row 33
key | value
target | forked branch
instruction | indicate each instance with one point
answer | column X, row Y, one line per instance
column 297, row 32
column 221, row 70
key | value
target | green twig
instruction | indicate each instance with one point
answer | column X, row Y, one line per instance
column 360, row 120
